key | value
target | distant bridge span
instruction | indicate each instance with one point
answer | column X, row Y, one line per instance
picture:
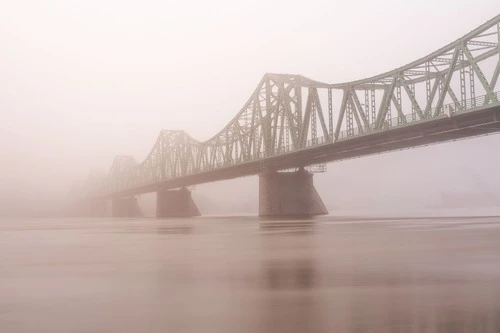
column 291, row 121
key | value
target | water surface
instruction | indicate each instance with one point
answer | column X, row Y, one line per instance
column 239, row 274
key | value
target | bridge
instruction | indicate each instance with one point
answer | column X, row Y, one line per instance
column 290, row 123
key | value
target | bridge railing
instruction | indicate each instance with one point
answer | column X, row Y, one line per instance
column 474, row 103
column 317, row 141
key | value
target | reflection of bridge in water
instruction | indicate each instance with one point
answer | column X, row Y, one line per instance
column 290, row 122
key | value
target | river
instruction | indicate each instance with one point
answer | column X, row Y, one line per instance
column 242, row 274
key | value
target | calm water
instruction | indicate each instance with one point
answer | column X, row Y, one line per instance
column 243, row 275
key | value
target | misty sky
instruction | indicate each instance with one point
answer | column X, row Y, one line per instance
column 82, row 81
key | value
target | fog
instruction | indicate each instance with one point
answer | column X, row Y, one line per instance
column 81, row 82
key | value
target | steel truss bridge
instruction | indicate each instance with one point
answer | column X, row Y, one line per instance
column 291, row 121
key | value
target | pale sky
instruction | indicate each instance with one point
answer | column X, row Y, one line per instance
column 82, row 81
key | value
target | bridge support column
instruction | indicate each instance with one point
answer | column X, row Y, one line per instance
column 289, row 194
column 175, row 203
column 125, row 207
column 96, row 208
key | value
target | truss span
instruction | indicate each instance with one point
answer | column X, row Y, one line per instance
column 291, row 113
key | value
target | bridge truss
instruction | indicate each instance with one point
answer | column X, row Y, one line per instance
column 288, row 113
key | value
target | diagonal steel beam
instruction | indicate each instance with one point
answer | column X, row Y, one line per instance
column 319, row 111
column 282, row 123
column 355, row 98
column 410, row 94
column 355, row 113
column 399, row 109
column 275, row 119
column 291, row 118
column 496, row 74
column 386, row 100
column 447, row 81
column 454, row 98
column 435, row 87
column 307, row 117
column 343, row 106
column 494, row 79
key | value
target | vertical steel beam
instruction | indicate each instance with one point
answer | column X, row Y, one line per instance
column 427, row 83
column 397, row 103
column 330, row 113
column 463, row 88
column 314, row 128
column 472, row 87
column 349, row 123
column 367, row 106
column 373, row 107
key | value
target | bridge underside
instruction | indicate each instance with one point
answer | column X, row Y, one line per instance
column 476, row 123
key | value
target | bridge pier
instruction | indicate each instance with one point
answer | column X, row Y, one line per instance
column 96, row 208
column 175, row 203
column 289, row 194
column 125, row 207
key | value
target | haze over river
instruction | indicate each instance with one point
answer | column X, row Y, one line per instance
column 240, row 274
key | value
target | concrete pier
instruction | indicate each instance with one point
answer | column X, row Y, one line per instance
column 96, row 208
column 289, row 194
column 125, row 207
column 175, row 203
